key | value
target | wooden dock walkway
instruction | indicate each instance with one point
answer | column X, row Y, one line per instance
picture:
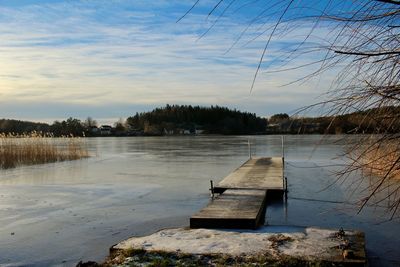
column 232, row 209
column 256, row 173
column 242, row 201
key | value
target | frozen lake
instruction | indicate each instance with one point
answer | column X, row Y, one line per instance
column 61, row 213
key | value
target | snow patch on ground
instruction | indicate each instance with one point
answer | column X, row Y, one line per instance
column 292, row 241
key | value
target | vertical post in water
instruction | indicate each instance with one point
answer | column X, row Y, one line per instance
column 284, row 178
column 283, row 149
column 285, row 208
column 249, row 145
column 212, row 188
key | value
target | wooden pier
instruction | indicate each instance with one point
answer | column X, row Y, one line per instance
column 241, row 204
column 256, row 173
column 243, row 194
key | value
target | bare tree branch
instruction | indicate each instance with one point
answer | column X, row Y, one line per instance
column 368, row 54
column 360, row 41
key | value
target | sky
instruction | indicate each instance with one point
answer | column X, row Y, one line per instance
column 109, row 59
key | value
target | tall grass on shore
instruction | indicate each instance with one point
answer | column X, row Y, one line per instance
column 379, row 163
column 381, row 160
column 38, row 148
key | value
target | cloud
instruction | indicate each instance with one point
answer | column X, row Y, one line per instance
column 105, row 57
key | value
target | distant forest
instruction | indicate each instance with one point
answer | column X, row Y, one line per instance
column 67, row 127
column 352, row 123
column 210, row 120
column 19, row 127
column 186, row 119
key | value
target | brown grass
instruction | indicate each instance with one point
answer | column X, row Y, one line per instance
column 38, row 148
column 380, row 159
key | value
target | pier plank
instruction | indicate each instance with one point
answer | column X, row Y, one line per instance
column 232, row 209
column 256, row 173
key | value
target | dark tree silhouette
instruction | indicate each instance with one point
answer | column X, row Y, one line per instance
column 213, row 120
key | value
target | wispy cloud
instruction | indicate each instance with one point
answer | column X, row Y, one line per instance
column 96, row 56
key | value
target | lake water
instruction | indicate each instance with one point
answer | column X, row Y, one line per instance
column 61, row 213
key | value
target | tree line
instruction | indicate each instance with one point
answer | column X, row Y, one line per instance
column 360, row 122
column 211, row 120
column 171, row 119
column 68, row 127
column 179, row 119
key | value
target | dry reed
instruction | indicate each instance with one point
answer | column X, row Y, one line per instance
column 38, row 148
column 379, row 160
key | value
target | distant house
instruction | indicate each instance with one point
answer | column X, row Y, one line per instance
column 178, row 131
column 105, row 130
column 168, row 131
column 313, row 127
column 94, row 130
column 273, row 128
column 198, row 130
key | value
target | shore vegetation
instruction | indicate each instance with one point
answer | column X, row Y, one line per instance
column 38, row 148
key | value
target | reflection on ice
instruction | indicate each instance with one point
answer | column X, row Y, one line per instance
column 70, row 211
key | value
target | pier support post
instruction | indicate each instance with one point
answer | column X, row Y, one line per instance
column 249, row 145
column 283, row 148
column 212, row 188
